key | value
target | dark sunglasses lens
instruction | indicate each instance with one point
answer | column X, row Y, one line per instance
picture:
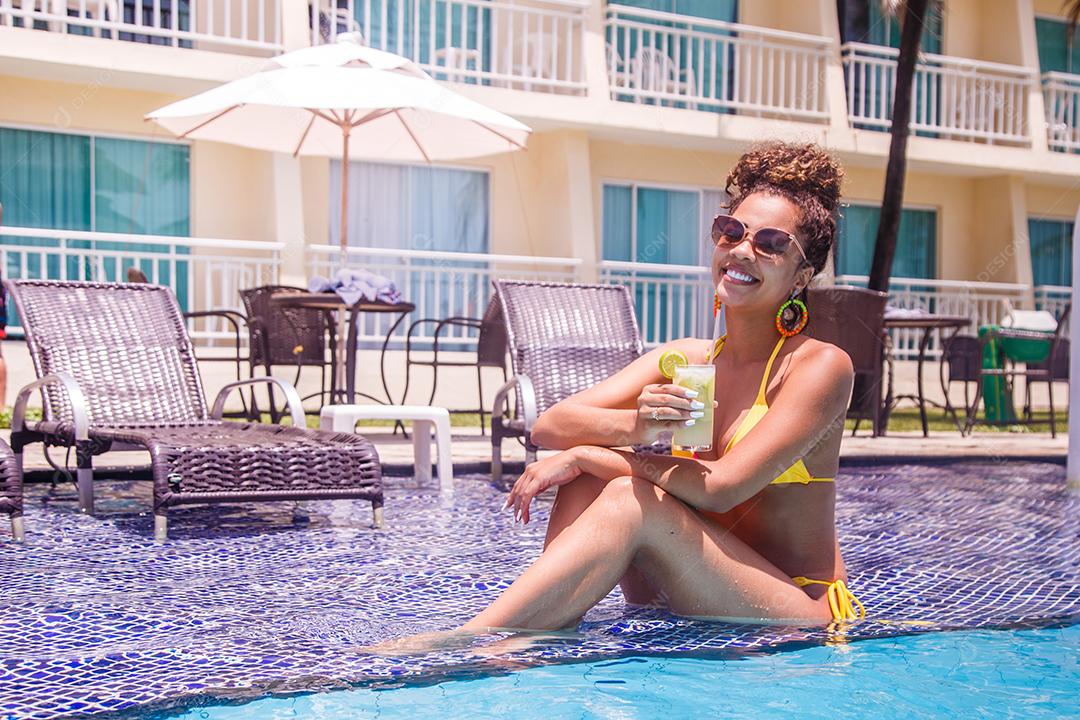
column 728, row 230
column 772, row 241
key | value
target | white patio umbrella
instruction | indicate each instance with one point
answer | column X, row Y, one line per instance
column 344, row 100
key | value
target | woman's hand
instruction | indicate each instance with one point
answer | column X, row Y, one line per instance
column 662, row 408
column 538, row 477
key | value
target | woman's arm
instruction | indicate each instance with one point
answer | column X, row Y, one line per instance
column 809, row 406
column 812, row 401
column 608, row 414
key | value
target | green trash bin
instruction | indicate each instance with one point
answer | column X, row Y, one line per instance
column 1001, row 344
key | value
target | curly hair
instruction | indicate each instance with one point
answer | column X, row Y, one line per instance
column 806, row 175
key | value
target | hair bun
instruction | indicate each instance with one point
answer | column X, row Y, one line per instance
column 796, row 168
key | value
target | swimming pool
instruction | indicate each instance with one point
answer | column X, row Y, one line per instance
column 250, row 600
column 1021, row 673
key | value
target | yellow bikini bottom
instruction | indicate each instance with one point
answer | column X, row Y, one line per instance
column 841, row 600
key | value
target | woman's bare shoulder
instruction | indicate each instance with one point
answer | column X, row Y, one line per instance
column 696, row 350
column 825, row 361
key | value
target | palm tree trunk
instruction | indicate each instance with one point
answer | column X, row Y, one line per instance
column 914, row 17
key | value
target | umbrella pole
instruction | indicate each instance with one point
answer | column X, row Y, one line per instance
column 344, row 239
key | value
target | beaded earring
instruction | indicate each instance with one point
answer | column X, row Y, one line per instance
column 792, row 316
column 715, row 304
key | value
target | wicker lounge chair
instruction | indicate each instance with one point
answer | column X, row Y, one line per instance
column 852, row 318
column 562, row 339
column 11, row 501
column 116, row 369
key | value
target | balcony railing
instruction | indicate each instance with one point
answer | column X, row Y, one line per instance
column 226, row 25
column 1054, row 298
column 984, row 302
column 440, row 284
column 1061, row 93
column 205, row 274
column 953, row 98
column 700, row 64
column 536, row 46
column 672, row 301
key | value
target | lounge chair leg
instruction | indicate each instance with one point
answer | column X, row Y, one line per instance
column 161, row 528
column 17, row 531
column 378, row 511
column 84, row 479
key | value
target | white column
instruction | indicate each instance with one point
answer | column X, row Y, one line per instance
column 295, row 30
column 1029, row 58
column 1072, row 470
column 288, row 209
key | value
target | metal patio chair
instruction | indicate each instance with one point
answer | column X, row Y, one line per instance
column 116, row 370
column 961, row 362
column 291, row 337
column 490, row 351
column 11, row 499
column 562, row 338
column 852, row 318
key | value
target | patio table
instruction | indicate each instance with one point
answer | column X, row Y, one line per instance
column 332, row 304
column 928, row 323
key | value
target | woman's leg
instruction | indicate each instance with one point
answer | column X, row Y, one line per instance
column 570, row 501
column 700, row 569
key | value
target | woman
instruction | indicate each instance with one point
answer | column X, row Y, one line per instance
column 747, row 533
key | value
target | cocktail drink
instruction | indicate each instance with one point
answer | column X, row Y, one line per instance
column 702, row 379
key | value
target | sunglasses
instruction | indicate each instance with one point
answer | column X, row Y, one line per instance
column 767, row 241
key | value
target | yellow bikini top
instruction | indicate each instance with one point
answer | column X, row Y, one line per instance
column 797, row 473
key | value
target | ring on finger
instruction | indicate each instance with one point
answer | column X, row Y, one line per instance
column 656, row 413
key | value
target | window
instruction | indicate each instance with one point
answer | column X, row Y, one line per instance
column 1059, row 51
column 863, row 21
column 660, row 226
column 656, row 225
column 81, row 182
column 1051, row 251
column 916, row 244
column 419, row 207
column 726, row 10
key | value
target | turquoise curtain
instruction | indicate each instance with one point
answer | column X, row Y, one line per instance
column 617, row 212
column 1051, row 251
column 916, row 244
column 143, row 188
column 885, row 30
column 44, row 183
column 667, row 233
column 1058, row 51
column 78, row 182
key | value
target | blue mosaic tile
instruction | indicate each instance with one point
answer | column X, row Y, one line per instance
column 96, row 619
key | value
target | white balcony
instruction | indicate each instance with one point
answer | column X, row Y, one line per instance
column 205, row 273
column 243, row 26
column 1061, row 93
column 536, row 45
column 1053, row 298
column 688, row 62
column 953, row 98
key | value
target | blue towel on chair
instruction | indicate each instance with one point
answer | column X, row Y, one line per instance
column 354, row 285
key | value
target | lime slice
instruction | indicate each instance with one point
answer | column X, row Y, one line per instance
column 670, row 360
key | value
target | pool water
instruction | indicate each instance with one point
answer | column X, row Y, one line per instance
column 1017, row 673
column 251, row 601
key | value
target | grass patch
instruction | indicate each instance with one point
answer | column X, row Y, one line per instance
column 907, row 420
column 900, row 420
